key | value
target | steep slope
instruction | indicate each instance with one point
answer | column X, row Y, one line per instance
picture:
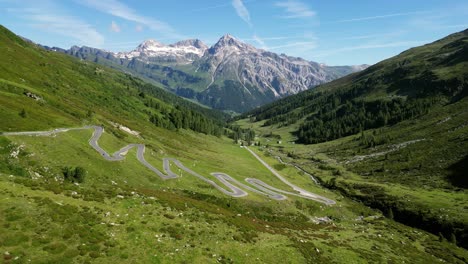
column 230, row 75
column 65, row 199
column 391, row 91
column 55, row 81
column 263, row 75
column 406, row 122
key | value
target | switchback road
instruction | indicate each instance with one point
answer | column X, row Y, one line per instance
column 230, row 184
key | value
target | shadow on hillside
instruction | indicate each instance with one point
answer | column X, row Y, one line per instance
column 459, row 173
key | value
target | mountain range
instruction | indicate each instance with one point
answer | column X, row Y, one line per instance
column 230, row 75
column 390, row 146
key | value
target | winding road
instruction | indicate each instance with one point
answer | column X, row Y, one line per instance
column 230, row 184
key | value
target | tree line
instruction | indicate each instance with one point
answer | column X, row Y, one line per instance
column 181, row 117
column 237, row 133
column 353, row 116
column 172, row 99
column 173, row 112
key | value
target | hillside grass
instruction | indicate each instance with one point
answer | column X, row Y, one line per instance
column 417, row 177
column 124, row 213
column 192, row 220
column 393, row 136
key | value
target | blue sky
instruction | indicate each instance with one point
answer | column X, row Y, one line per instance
column 335, row 32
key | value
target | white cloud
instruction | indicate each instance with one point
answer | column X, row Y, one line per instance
column 242, row 11
column 276, row 38
column 295, row 9
column 299, row 47
column 57, row 21
column 118, row 9
column 305, row 45
column 376, row 36
column 380, row 16
column 114, row 27
column 260, row 41
column 206, row 8
column 138, row 28
column 374, row 46
column 388, row 45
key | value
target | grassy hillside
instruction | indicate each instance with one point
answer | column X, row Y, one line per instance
column 58, row 83
column 400, row 88
column 393, row 136
column 122, row 212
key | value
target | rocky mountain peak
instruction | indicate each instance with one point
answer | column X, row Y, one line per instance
column 149, row 44
column 227, row 36
column 238, row 75
column 228, row 42
column 181, row 52
column 191, row 43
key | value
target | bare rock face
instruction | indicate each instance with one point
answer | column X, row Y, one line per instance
column 231, row 59
column 182, row 52
column 230, row 75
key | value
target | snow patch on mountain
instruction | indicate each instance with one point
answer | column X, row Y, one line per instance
column 182, row 51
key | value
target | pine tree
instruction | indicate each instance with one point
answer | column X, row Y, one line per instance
column 79, row 174
column 453, row 238
column 23, row 113
column 390, row 213
column 441, row 237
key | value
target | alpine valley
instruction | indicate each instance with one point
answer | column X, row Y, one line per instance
column 100, row 163
column 230, row 75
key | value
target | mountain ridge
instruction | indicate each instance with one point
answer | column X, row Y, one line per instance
column 399, row 128
column 229, row 75
column 62, row 202
column 417, row 61
column 184, row 51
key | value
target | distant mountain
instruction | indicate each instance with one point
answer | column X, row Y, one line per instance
column 399, row 88
column 54, row 80
column 93, row 210
column 181, row 52
column 401, row 124
column 260, row 76
column 269, row 72
column 230, row 75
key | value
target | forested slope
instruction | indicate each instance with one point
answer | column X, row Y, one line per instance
column 394, row 136
column 400, row 88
